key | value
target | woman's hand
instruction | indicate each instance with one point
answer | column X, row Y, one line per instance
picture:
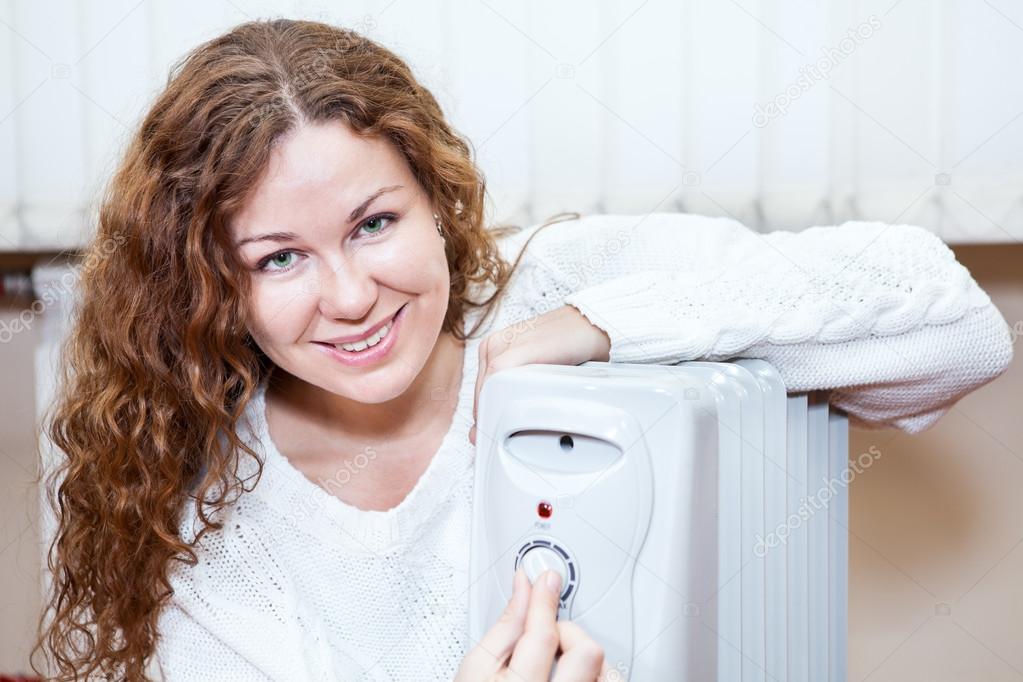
column 521, row 646
column 562, row 336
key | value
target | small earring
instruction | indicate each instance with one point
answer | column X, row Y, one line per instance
column 437, row 219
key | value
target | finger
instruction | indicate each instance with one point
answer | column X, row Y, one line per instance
column 494, row 648
column 582, row 659
column 472, row 434
column 534, row 652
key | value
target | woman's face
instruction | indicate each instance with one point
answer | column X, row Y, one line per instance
column 337, row 237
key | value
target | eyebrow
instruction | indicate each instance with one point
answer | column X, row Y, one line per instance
column 353, row 216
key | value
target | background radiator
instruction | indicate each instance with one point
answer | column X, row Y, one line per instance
column 697, row 512
column 779, row 114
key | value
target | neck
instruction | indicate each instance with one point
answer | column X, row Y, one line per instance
column 415, row 411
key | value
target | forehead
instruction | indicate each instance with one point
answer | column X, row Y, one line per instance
column 319, row 168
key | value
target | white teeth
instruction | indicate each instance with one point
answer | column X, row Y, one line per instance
column 366, row 343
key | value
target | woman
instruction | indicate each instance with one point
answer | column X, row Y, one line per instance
column 281, row 333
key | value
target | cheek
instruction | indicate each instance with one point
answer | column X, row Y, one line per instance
column 280, row 312
column 415, row 263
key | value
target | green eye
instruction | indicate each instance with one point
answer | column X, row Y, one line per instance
column 373, row 225
column 280, row 261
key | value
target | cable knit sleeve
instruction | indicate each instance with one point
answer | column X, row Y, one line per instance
column 882, row 316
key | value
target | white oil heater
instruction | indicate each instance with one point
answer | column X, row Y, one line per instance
column 698, row 515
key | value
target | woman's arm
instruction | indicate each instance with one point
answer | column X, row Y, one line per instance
column 882, row 314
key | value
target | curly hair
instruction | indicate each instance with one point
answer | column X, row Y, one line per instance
column 159, row 365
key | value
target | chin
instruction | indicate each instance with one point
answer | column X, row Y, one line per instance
column 371, row 387
column 379, row 392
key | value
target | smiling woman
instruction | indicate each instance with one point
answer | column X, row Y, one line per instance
column 314, row 215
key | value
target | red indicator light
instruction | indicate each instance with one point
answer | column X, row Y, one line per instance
column 544, row 509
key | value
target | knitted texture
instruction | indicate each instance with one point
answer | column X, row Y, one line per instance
column 300, row 586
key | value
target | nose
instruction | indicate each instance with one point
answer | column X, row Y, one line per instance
column 345, row 289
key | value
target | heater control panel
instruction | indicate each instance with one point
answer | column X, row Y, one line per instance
column 542, row 554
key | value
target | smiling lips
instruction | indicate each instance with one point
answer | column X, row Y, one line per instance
column 362, row 341
column 361, row 353
column 367, row 343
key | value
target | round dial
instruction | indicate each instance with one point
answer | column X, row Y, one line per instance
column 539, row 559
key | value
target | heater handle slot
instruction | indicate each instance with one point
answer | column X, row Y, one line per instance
column 562, row 451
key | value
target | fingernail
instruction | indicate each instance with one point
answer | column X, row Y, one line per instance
column 554, row 581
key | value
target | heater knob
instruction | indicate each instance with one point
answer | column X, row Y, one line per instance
column 540, row 559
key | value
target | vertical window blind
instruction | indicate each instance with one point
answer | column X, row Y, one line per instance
column 780, row 113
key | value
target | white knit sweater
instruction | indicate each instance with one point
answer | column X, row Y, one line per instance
column 301, row 586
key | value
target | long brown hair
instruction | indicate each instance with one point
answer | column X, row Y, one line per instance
column 159, row 366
